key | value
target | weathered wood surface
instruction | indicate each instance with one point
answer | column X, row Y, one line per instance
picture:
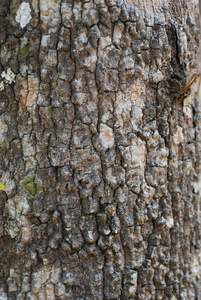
column 101, row 165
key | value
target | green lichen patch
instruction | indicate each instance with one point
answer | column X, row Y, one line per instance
column 5, row 145
column 1, row 232
column 49, row 111
column 188, row 170
column 25, row 50
column 32, row 185
column 174, row 162
column 2, row 187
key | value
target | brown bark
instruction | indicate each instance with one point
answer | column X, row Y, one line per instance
column 101, row 164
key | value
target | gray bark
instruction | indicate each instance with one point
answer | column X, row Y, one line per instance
column 100, row 160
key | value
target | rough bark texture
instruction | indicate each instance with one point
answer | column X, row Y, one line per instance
column 101, row 164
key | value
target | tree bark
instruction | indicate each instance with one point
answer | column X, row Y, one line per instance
column 99, row 157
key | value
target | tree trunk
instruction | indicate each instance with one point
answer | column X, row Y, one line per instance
column 100, row 150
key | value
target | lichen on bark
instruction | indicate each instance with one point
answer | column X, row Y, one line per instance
column 32, row 185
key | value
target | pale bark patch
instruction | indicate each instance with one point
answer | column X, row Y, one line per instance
column 23, row 16
column 50, row 14
column 106, row 136
column 3, row 130
column 187, row 107
column 8, row 182
column 33, row 84
column 178, row 136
